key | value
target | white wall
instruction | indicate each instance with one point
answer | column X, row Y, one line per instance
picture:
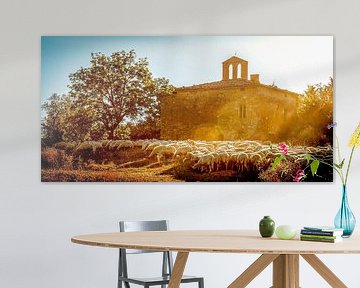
column 37, row 220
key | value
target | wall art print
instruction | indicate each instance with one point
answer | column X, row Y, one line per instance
column 186, row 108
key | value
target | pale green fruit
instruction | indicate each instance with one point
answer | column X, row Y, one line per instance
column 285, row 232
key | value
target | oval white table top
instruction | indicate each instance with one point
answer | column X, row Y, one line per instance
column 219, row 241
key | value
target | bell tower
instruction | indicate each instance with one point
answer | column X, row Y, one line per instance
column 231, row 68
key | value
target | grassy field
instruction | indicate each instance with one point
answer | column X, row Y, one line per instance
column 174, row 161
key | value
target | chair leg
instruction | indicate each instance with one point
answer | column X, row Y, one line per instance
column 164, row 266
column 201, row 283
column 120, row 273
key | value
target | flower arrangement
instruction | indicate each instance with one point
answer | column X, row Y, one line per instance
column 313, row 163
column 344, row 218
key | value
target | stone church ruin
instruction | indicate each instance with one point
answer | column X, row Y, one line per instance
column 235, row 108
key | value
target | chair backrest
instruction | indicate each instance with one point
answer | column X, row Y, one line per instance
column 137, row 226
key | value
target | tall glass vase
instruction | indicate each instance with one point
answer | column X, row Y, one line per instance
column 345, row 219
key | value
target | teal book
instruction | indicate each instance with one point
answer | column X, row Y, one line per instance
column 324, row 229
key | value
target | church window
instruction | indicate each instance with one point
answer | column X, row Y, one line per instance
column 231, row 68
column 242, row 111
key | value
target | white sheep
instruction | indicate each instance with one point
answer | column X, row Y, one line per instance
column 163, row 152
column 205, row 160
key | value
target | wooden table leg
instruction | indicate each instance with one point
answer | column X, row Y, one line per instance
column 286, row 271
column 324, row 271
column 178, row 269
column 253, row 270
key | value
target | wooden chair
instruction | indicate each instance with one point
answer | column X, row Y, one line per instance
column 167, row 263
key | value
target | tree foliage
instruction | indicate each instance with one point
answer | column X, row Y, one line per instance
column 114, row 98
column 51, row 131
column 318, row 99
column 315, row 113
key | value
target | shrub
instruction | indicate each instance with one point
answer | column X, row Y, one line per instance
column 284, row 172
column 68, row 147
column 52, row 158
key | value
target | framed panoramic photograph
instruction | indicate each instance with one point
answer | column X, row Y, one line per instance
column 187, row 109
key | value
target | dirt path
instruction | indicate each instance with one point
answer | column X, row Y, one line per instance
column 139, row 174
column 142, row 174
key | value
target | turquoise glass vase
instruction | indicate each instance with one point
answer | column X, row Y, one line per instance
column 345, row 219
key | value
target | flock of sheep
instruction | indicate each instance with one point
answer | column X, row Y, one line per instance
column 228, row 155
column 208, row 156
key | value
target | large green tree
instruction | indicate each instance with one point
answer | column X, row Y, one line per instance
column 116, row 97
column 117, row 89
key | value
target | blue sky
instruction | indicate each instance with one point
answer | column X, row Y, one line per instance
column 291, row 62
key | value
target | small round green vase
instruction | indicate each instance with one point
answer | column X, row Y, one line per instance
column 266, row 227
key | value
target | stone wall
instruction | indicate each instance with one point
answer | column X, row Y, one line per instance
column 252, row 112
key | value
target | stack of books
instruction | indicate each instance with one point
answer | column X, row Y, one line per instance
column 321, row 234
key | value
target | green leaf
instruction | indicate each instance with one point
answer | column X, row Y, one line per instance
column 314, row 167
column 277, row 161
column 307, row 158
column 340, row 165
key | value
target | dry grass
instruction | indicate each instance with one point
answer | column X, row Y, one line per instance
column 143, row 174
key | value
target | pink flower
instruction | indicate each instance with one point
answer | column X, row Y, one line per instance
column 300, row 174
column 284, row 148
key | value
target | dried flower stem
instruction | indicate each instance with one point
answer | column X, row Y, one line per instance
column 339, row 171
column 351, row 156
